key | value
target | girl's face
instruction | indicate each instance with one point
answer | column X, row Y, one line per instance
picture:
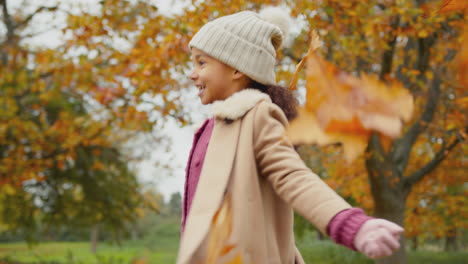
column 214, row 79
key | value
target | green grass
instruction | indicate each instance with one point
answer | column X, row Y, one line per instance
column 438, row 257
column 79, row 252
column 160, row 247
column 326, row 252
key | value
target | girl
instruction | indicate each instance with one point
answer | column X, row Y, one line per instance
column 242, row 152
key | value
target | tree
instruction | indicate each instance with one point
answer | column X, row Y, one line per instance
column 58, row 162
column 175, row 204
column 435, row 206
column 135, row 87
column 415, row 44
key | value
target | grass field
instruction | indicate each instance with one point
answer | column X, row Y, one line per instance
column 79, row 252
column 160, row 247
column 139, row 253
column 326, row 252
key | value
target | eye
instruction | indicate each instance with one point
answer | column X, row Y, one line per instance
column 201, row 62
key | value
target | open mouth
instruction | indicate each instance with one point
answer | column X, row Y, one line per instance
column 201, row 89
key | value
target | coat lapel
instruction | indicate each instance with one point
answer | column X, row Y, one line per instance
column 211, row 187
column 216, row 170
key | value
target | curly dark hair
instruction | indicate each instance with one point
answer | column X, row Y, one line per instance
column 281, row 96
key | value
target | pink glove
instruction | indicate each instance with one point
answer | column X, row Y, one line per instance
column 378, row 238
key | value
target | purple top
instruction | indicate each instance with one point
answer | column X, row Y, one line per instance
column 342, row 228
column 195, row 164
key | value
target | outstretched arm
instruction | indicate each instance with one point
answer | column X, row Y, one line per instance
column 308, row 194
column 291, row 179
column 373, row 237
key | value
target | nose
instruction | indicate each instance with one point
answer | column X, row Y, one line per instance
column 193, row 75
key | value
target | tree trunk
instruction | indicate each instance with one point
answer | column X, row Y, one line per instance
column 94, row 238
column 451, row 241
column 391, row 206
column 415, row 244
column 389, row 195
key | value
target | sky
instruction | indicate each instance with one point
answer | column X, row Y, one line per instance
column 152, row 175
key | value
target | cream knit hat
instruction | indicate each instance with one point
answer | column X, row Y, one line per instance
column 246, row 41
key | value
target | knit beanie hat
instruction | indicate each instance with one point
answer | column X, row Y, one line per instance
column 246, row 41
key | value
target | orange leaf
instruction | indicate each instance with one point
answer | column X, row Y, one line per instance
column 219, row 234
column 463, row 63
column 343, row 108
column 305, row 129
column 351, row 126
column 453, row 5
column 236, row 260
column 295, row 77
column 314, row 45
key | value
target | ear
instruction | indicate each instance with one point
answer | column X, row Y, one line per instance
column 237, row 75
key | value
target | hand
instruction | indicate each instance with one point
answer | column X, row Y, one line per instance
column 378, row 238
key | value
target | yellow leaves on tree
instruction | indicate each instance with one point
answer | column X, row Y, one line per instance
column 463, row 63
column 343, row 108
column 453, row 5
column 449, row 6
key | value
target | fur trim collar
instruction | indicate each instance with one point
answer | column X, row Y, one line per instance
column 238, row 104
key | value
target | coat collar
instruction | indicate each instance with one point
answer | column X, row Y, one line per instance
column 238, row 104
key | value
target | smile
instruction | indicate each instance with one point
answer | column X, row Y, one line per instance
column 201, row 89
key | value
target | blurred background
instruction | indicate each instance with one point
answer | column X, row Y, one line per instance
column 97, row 117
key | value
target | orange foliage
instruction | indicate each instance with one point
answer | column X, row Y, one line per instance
column 453, row 5
column 343, row 108
column 356, row 34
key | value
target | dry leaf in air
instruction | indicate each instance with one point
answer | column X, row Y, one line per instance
column 221, row 229
column 346, row 109
column 315, row 43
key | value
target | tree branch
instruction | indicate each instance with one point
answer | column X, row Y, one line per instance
column 410, row 45
column 403, row 146
column 387, row 57
column 7, row 20
column 31, row 16
column 424, row 45
column 439, row 157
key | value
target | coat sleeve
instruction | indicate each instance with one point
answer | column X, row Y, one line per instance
column 291, row 179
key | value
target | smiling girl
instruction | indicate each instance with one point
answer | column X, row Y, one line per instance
column 242, row 153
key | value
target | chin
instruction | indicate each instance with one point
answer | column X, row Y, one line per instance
column 205, row 101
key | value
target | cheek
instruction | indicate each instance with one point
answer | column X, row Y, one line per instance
column 209, row 76
column 204, row 74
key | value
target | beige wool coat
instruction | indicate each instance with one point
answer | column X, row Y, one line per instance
column 250, row 159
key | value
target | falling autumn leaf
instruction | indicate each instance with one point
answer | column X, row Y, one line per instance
column 221, row 230
column 315, row 43
column 343, row 108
